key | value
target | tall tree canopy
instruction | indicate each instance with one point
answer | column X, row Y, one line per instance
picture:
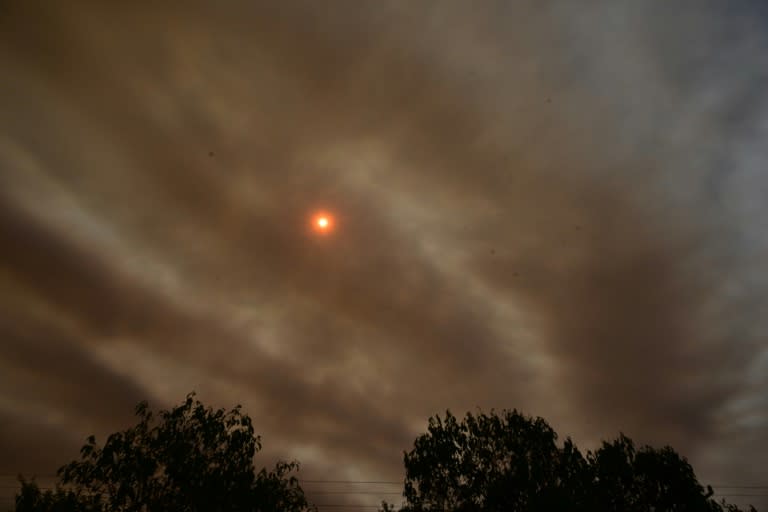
column 189, row 458
column 508, row 462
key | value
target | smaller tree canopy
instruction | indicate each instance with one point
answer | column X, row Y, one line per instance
column 491, row 462
column 189, row 458
column 508, row 462
column 630, row 479
column 31, row 499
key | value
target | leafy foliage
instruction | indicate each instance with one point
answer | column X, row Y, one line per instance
column 32, row 499
column 513, row 463
column 188, row 459
column 505, row 462
column 628, row 479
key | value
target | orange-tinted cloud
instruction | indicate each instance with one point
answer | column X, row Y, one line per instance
column 549, row 209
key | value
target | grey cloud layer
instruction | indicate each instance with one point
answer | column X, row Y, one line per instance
column 538, row 208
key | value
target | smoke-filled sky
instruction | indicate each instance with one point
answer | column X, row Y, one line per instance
column 554, row 206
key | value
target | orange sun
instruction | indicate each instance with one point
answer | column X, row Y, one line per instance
column 322, row 222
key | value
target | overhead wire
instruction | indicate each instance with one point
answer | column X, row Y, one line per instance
column 729, row 490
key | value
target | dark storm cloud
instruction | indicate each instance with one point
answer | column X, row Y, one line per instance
column 525, row 210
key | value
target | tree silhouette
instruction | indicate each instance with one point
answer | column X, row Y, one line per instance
column 628, row 479
column 31, row 499
column 513, row 463
column 190, row 458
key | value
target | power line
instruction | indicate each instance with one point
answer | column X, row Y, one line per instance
column 323, row 493
column 381, row 482
column 743, row 495
column 344, row 505
column 739, row 486
column 357, row 491
column 387, row 482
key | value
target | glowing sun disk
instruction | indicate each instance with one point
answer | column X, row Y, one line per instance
column 322, row 222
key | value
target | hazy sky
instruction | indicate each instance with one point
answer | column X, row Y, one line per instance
column 553, row 206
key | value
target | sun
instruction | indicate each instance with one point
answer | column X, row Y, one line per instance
column 322, row 222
